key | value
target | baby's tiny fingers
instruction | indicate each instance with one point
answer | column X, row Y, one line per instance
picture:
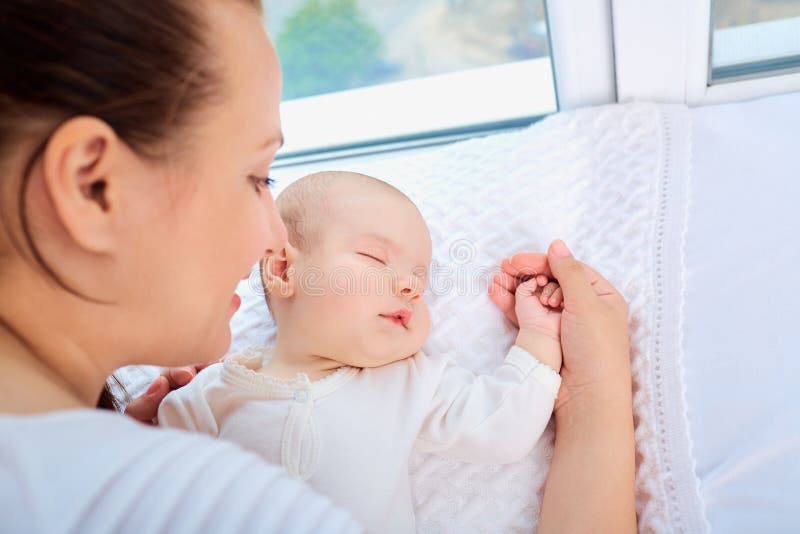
column 541, row 279
column 557, row 298
column 547, row 291
column 527, row 288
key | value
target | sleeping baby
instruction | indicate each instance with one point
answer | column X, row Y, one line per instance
column 346, row 393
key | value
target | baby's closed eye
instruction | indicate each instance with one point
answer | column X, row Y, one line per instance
column 373, row 257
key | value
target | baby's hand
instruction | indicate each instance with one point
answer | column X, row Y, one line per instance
column 538, row 307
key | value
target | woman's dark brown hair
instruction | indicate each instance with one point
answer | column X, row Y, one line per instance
column 144, row 67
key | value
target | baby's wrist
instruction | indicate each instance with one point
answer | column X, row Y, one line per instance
column 544, row 347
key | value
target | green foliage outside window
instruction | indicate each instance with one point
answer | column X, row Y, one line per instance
column 326, row 46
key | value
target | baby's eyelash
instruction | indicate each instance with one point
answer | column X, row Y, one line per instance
column 370, row 256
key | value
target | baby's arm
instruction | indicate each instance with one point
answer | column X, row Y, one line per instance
column 187, row 408
column 494, row 418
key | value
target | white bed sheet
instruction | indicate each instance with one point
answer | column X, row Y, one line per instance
column 741, row 335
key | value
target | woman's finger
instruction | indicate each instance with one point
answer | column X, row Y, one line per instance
column 504, row 300
column 602, row 287
column 506, row 281
column 571, row 275
column 179, row 376
column 535, row 263
column 145, row 407
column 527, row 263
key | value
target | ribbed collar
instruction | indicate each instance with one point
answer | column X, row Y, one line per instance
column 241, row 370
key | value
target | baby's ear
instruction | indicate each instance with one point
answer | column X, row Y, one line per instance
column 277, row 272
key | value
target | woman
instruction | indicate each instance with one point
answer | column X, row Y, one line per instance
column 134, row 151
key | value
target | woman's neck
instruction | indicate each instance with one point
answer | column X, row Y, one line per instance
column 49, row 356
column 28, row 385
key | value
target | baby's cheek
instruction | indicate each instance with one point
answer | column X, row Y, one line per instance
column 424, row 322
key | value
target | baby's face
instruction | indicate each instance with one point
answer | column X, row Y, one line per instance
column 359, row 290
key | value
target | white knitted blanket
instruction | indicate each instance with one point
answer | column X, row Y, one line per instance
column 612, row 181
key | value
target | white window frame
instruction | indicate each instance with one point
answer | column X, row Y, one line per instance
column 662, row 50
column 582, row 51
column 778, row 51
column 456, row 104
column 602, row 51
column 426, row 111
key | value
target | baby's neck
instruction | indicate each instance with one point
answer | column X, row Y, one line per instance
column 286, row 363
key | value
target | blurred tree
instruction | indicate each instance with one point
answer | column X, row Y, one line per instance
column 328, row 45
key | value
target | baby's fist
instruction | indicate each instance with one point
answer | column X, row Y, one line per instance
column 538, row 306
column 539, row 322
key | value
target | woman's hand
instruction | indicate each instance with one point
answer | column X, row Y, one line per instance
column 594, row 321
column 590, row 484
column 145, row 407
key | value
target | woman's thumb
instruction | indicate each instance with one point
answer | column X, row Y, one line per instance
column 570, row 275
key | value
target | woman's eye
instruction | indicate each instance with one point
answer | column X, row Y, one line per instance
column 260, row 183
column 374, row 258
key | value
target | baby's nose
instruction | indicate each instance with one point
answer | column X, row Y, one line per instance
column 409, row 287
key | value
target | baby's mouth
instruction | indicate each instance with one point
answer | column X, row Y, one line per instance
column 400, row 317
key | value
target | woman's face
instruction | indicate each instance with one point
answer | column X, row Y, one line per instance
column 161, row 244
column 209, row 222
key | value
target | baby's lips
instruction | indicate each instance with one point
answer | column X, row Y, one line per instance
column 403, row 315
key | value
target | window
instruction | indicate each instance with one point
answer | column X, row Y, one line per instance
column 754, row 37
column 370, row 73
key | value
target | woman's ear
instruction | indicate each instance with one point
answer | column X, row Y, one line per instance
column 77, row 164
column 278, row 272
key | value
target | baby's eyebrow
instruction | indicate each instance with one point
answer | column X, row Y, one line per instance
column 383, row 239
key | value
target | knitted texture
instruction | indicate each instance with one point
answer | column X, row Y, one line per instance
column 612, row 181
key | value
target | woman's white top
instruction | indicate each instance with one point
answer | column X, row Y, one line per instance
column 351, row 433
column 91, row 471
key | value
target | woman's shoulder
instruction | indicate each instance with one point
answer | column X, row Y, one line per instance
column 106, row 435
column 95, row 471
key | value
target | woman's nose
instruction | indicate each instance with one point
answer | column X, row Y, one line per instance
column 277, row 235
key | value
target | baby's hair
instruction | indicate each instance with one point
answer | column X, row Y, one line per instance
column 304, row 205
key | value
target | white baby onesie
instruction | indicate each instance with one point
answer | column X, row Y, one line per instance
column 350, row 434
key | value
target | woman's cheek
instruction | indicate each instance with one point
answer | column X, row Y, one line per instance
column 255, row 231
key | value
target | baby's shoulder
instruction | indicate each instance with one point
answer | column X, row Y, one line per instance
column 419, row 366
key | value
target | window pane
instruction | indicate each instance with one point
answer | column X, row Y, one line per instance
column 412, row 67
column 755, row 38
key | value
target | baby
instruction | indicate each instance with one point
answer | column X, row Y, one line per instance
column 346, row 393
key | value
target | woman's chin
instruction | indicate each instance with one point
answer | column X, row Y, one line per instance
column 223, row 344
column 213, row 349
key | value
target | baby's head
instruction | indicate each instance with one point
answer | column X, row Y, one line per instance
column 348, row 284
